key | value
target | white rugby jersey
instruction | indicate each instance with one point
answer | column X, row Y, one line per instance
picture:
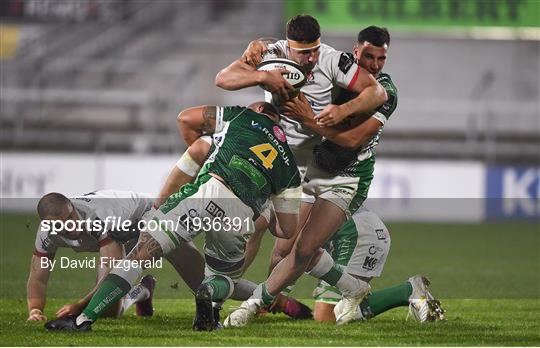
column 334, row 68
column 97, row 205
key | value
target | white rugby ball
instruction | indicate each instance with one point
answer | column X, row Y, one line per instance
column 295, row 76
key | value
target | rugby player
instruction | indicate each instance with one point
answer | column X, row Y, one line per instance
column 184, row 172
column 250, row 166
column 357, row 140
column 326, row 68
column 91, row 211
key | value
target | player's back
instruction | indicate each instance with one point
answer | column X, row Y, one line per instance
column 251, row 154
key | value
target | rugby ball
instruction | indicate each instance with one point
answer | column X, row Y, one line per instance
column 295, row 76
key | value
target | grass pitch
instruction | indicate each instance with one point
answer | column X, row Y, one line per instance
column 487, row 276
column 469, row 322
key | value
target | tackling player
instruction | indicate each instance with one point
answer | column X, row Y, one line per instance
column 349, row 152
column 99, row 206
column 250, row 165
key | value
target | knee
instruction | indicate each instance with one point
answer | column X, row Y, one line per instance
column 303, row 253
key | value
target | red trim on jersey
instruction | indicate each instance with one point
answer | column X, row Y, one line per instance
column 105, row 241
column 355, row 77
column 40, row 254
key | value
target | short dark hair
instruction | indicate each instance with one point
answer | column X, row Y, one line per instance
column 376, row 36
column 52, row 204
column 303, row 28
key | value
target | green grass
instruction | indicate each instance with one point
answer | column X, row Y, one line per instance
column 470, row 323
column 487, row 276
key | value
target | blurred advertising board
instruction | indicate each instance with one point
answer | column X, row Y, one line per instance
column 352, row 15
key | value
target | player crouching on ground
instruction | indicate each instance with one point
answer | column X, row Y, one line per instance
column 91, row 207
column 250, row 166
column 361, row 246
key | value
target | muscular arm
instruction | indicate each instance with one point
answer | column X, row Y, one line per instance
column 371, row 94
column 197, row 121
column 343, row 135
column 240, row 75
column 36, row 289
column 177, row 178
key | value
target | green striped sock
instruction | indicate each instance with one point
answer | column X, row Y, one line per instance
column 381, row 301
column 220, row 287
column 111, row 290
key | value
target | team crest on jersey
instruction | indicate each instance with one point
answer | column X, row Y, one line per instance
column 278, row 132
column 345, row 63
column 310, row 78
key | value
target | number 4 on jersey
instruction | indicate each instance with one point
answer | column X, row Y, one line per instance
column 268, row 158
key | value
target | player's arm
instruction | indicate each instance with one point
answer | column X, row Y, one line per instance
column 254, row 52
column 351, row 138
column 371, row 94
column 185, row 170
column 108, row 251
column 36, row 288
column 286, row 207
column 196, row 122
column 240, row 75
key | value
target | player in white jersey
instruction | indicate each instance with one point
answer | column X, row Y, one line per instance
column 104, row 221
column 326, row 69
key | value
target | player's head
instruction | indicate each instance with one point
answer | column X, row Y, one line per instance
column 304, row 41
column 56, row 206
column 371, row 49
column 265, row 108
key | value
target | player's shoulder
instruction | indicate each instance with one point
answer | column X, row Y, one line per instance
column 111, row 194
column 231, row 111
column 330, row 58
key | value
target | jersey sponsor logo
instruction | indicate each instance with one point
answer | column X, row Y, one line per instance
column 46, row 243
column 215, row 210
column 369, row 263
column 273, row 140
column 345, row 63
column 217, row 140
column 87, row 200
column 279, row 133
column 374, row 249
column 185, row 219
column 380, row 234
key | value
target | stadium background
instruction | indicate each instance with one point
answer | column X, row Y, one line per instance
column 90, row 90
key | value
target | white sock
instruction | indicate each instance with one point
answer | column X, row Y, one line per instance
column 349, row 285
column 136, row 294
column 81, row 319
column 323, row 266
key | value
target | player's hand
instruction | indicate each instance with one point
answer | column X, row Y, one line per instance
column 254, row 52
column 330, row 116
column 274, row 83
column 69, row 309
column 36, row 315
column 298, row 108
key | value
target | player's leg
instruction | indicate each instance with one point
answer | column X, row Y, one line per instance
column 360, row 246
column 254, row 242
column 193, row 272
column 115, row 286
column 224, row 252
column 152, row 244
column 283, row 247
